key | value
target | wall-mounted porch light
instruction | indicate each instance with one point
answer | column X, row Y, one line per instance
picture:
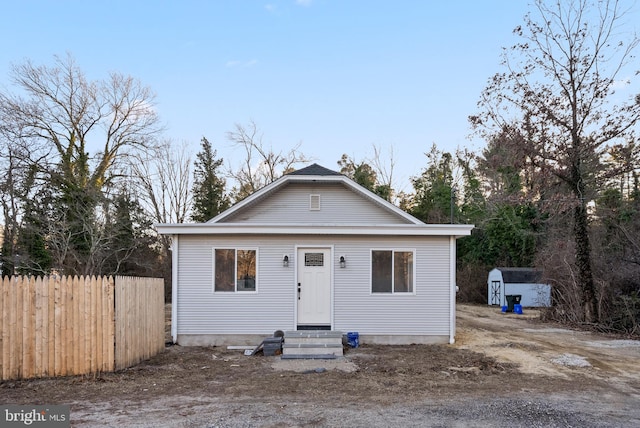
column 285, row 261
column 343, row 262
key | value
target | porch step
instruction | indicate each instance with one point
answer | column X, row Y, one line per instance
column 309, row 357
column 313, row 336
column 312, row 342
column 311, row 348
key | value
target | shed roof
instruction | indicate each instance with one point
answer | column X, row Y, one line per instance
column 521, row 275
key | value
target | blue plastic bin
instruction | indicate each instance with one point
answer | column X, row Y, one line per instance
column 353, row 339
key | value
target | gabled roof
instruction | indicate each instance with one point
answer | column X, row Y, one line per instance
column 314, row 169
column 316, row 174
column 521, row 275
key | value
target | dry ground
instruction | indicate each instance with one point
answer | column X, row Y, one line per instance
column 504, row 369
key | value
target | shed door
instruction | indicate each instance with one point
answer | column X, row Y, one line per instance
column 496, row 292
column 314, row 287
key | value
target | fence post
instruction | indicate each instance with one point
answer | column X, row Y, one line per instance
column 111, row 324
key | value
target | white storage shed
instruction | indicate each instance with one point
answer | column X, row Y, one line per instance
column 525, row 282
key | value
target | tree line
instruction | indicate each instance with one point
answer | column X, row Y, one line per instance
column 86, row 171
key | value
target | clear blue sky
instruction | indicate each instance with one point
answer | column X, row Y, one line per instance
column 336, row 75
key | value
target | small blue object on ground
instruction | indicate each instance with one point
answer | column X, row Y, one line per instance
column 504, row 308
column 517, row 309
column 353, row 339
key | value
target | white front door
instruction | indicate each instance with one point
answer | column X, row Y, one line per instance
column 314, row 286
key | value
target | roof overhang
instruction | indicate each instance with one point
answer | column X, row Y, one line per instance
column 457, row 230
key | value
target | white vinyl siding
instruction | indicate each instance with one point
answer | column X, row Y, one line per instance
column 204, row 312
column 426, row 311
column 336, row 205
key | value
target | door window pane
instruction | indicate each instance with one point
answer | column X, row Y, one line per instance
column 314, row 259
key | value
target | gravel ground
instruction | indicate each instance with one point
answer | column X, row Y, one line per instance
column 503, row 370
column 468, row 412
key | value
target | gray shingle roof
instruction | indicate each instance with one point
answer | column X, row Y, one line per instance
column 314, row 169
column 521, row 275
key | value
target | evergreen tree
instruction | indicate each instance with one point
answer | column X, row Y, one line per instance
column 6, row 253
column 435, row 197
column 129, row 249
column 209, row 197
column 76, row 204
column 35, row 256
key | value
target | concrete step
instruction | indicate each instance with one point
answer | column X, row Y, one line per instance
column 312, row 342
column 309, row 357
column 318, row 340
column 313, row 333
column 312, row 349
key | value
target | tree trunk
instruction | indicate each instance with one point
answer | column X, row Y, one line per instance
column 583, row 263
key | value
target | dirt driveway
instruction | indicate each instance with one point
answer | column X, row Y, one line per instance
column 504, row 370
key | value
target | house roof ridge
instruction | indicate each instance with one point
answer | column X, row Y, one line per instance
column 314, row 169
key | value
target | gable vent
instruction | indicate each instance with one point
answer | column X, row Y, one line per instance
column 314, row 202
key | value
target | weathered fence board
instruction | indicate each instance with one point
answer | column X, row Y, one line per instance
column 139, row 326
column 58, row 326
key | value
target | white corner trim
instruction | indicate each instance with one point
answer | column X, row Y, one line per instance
column 174, row 287
column 452, row 290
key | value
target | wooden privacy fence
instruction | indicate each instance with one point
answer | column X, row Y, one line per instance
column 59, row 326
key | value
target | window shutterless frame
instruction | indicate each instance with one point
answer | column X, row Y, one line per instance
column 392, row 271
column 235, row 270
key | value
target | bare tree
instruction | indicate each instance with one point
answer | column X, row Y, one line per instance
column 75, row 133
column 261, row 165
column 384, row 166
column 374, row 174
column 65, row 111
column 558, row 93
column 164, row 181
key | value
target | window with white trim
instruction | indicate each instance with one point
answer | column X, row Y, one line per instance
column 235, row 270
column 392, row 271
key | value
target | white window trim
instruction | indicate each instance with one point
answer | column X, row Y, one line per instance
column 311, row 206
column 235, row 269
column 393, row 292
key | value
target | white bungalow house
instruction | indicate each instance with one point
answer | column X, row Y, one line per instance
column 313, row 250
